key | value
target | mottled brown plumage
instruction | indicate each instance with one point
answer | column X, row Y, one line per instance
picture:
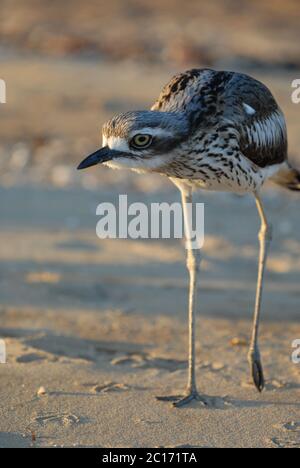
column 214, row 130
column 217, row 99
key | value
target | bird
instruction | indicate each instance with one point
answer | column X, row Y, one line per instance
column 211, row 130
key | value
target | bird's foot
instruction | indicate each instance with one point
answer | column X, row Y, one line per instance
column 193, row 395
column 256, row 370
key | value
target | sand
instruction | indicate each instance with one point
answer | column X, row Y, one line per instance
column 101, row 325
column 95, row 329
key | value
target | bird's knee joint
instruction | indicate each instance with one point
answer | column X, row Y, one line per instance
column 254, row 354
column 193, row 263
column 266, row 233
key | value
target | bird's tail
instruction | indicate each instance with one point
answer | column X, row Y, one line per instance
column 287, row 177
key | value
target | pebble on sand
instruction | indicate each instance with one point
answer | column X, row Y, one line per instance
column 41, row 391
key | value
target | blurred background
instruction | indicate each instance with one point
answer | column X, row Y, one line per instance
column 107, row 319
column 69, row 68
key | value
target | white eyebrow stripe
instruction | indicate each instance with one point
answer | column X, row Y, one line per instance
column 122, row 144
column 249, row 110
column 151, row 131
column 117, row 143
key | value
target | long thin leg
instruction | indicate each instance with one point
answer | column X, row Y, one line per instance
column 193, row 263
column 193, row 266
column 265, row 237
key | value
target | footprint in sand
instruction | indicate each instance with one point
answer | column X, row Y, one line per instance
column 293, row 426
column 111, row 387
column 133, row 360
column 145, row 362
column 291, row 439
column 285, row 442
column 290, row 426
column 63, row 419
column 115, row 387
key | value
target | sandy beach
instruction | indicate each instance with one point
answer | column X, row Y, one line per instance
column 101, row 325
column 94, row 330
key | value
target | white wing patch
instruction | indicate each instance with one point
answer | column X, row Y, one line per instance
column 248, row 109
column 267, row 131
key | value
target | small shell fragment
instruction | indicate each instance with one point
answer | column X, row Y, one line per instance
column 41, row 391
column 238, row 341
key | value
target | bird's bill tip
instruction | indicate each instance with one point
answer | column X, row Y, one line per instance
column 100, row 156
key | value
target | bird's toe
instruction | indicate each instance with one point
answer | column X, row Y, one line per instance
column 191, row 396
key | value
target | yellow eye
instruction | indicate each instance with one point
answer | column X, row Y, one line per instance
column 141, row 140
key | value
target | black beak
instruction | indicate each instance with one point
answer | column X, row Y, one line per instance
column 102, row 155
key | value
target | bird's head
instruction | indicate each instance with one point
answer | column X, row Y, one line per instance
column 142, row 140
